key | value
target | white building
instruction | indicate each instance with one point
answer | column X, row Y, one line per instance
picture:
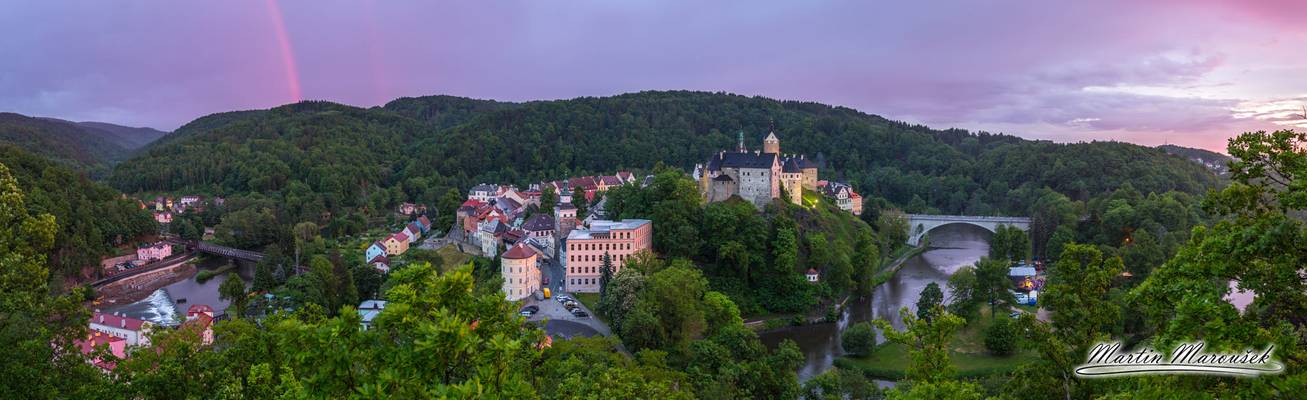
column 521, row 271
column 133, row 330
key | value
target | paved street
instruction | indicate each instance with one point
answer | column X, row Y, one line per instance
column 563, row 323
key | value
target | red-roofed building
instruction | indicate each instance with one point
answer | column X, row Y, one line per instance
column 202, row 324
column 115, row 345
column 197, row 310
column 381, row 263
column 396, row 244
column 424, row 223
column 131, row 329
column 519, row 266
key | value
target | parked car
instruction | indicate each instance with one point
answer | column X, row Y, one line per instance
column 544, row 281
column 580, row 314
column 531, row 309
column 570, row 306
column 526, row 314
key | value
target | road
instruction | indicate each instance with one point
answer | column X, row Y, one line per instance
column 550, row 309
column 155, row 266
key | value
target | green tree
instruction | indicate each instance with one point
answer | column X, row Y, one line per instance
column 964, row 289
column 266, row 271
column 840, row 384
column 930, row 297
column 233, row 292
column 893, row 228
column 1000, row 337
column 674, row 296
column 1009, row 243
column 548, row 200
column 605, row 274
column 39, row 329
column 993, row 284
column 865, row 262
column 927, row 342
column 447, row 206
column 859, row 339
column 621, row 296
column 304, row 233
column 720, row 313
column 579, row 201
column 1063, row 236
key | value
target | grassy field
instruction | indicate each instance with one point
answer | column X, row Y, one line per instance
column 590, row 300
column 452, row 257
column 967, row 352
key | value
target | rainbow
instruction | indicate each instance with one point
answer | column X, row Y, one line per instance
column 287, row 54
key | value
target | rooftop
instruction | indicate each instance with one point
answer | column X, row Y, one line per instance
column 519, row 252
column 600, row 228
column 117, row 321
column 539, row 222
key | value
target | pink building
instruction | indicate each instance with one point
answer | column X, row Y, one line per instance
column 586, row 248
column 115, row 345
column 153, row 252
column 163, row 217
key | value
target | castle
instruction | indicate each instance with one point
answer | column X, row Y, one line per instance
column 758, row 176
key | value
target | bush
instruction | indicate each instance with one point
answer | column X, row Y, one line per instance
column 859, row 339
column 1000, row 337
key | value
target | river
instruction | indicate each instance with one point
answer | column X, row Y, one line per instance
column 161, row 306
column 951, row 247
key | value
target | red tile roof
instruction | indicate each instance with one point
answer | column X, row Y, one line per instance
column 611, row 180
column 519, row 252
column 115, row 321
column 400, row 236
column 198, row 309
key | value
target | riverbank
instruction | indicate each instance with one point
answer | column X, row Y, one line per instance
column 773, row 322
column 138, row 288
column 967, row 353
column 888, row 272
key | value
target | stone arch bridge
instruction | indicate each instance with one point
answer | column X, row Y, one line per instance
column 920, row 224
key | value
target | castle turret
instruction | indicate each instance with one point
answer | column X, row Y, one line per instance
column 771, row 144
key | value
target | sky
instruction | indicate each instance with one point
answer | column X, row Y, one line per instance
column 1191, row 72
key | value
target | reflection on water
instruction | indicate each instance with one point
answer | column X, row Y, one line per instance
column 952, row 247
column 161, row 306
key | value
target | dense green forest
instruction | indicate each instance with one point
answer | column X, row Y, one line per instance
column 76, row 146
column 92, row 218
column 338, row 165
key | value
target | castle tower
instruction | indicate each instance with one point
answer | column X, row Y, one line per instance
column 771, row 144
column 740, row 147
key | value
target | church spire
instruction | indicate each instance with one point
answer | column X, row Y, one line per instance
column 740, row 146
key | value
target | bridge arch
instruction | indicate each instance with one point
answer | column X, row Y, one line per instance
column 920, row 224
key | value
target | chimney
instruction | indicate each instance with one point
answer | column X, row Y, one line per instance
column 124, row 323
column 101, row 318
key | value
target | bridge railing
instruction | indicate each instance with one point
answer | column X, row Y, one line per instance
column 933, row 217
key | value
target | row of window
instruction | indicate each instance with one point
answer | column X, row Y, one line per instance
column 584, row 281
column 589, row 270
column 617, row 258
column 604, row 246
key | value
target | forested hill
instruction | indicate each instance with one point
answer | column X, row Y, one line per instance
column 1212, row 160
column 414, row 149
column 125, row 136
column 92, row 217
column 60, row 141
